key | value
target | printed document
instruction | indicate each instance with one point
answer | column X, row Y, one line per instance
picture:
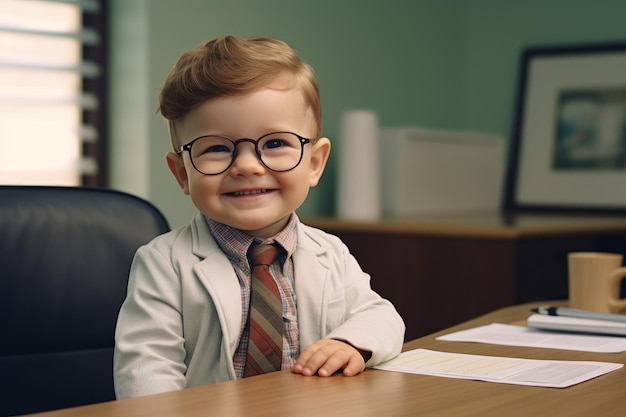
column 541, row 373
column 511, row 335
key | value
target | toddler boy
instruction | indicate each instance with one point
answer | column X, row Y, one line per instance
column 244, row 120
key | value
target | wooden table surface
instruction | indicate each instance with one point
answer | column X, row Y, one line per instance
column 384, row 394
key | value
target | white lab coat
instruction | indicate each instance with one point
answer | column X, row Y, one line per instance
column 179, row 325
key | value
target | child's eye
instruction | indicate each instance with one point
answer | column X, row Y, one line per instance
column 210, row 147
column 218, row 148
column 274, row 143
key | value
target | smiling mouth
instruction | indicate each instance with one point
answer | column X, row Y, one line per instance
column 250, row 192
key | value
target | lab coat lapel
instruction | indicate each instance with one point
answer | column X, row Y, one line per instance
column 218, row 277
column 311, row 275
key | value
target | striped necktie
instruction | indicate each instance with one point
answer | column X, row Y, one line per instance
column 266, row 315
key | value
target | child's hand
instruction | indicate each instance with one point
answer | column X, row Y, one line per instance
column 327, row 356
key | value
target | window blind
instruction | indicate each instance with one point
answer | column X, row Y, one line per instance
column 52, row 90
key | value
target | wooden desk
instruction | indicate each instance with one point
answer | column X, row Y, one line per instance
column 470, row 264
column 382, row 393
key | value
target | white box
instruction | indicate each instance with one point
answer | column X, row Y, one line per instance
column 427, row 171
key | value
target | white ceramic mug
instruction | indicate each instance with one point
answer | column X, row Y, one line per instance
column 595, row 280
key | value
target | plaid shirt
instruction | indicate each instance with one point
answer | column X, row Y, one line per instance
column 235, row 245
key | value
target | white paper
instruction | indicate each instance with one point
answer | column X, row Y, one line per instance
column 510, row 335
column 541, row 373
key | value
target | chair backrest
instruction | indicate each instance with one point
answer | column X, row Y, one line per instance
column 65, row 254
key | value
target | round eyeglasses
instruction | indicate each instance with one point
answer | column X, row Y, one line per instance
column 277, row 151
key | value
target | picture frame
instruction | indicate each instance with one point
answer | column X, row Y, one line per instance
column 568, row 150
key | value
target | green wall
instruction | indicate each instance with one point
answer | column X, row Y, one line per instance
column 498, row 30
column 448, row 64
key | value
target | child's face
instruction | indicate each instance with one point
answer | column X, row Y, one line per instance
column 227, row 197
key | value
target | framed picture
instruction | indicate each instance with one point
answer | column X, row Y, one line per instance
column 569, row 139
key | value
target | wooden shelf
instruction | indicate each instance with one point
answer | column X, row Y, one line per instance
column 441, row 270
column 487, row 225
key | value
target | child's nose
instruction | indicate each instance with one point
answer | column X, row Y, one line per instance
column 246, row 161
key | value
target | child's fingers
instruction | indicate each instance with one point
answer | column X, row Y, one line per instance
column 333, row 363
column 302, row 365
column 319, row 357
column 355, row 365
column 326, row 357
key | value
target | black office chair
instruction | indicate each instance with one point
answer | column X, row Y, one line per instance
column 65, row 254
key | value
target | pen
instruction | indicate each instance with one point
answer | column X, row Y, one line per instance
column 580, row 314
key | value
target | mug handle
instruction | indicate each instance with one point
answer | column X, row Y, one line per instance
column 616, row 304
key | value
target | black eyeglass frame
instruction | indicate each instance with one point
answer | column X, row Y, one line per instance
column 187, row 147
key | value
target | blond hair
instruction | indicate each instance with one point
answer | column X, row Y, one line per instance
column 233, row 66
